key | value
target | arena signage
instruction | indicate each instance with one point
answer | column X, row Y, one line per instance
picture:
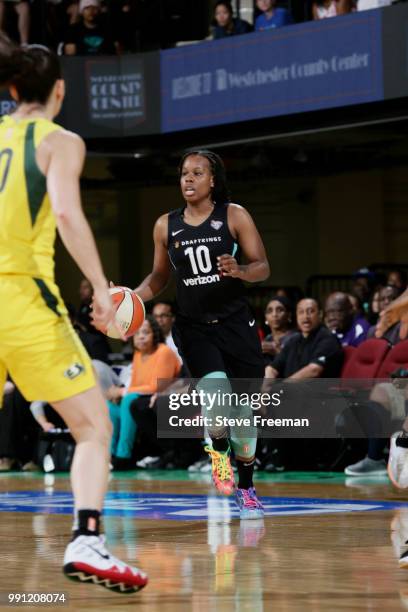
column 300, row 68
column 112, row 96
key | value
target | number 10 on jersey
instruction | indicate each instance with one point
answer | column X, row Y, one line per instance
column 200, row 259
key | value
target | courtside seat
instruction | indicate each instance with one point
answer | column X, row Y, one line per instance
column 365, row 361
column 347, row 355
column 396, row 358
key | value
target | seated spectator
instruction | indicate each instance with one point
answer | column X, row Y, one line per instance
column 18, row 432
column 22, row 8
column 356, row 305
column 271, row 17
column 225, row 22
column 398, row 278
column 322, row 9
column 278, row 315
column 374, row 307
column 364, row 281
column 386, row 295
column 84, row 311
column 164, row 315
column 390, row 397
column 152, row 360
column 312, row 353
column 90, row 36
column 350, row 330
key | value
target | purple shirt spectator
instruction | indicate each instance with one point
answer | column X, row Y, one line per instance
column 350, row 329
column 356, row 334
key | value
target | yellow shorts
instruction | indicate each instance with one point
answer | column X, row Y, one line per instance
column 38, row 345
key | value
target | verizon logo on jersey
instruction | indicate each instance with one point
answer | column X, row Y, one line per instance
column 201, row 280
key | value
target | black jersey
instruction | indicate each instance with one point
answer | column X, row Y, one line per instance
column 203, row 294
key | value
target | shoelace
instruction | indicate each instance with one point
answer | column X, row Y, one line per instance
column 221, row 463
column 249, row 501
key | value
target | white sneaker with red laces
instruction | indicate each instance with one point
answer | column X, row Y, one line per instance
column 87, row 560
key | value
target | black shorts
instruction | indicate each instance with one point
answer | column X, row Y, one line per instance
column 231, row 345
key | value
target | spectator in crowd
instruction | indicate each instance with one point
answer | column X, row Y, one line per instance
column 386, row 398
column 84, row 311
column 350, row 330
column 314, row 352
column 127, row 21
column 322, row 9
column 18, row 432
column 363, row 285
column 374, row 307
column 225, row 22
column 72, row 9
column 164, row 315
column 22, row 8
column 95, row 342
column 271, row 17
column 90, row 36
column 386, row 295
column 41, row 411
column 398, row 278
column 51, row 22
column 279, row 319
column 152, row 360
column 356, row 305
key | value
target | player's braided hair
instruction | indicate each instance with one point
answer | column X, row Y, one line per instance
column 220, row 192
column 33, row 70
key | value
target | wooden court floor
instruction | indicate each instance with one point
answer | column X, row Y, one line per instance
column 326, row 544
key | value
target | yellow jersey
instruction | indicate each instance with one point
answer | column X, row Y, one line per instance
column 27, row 224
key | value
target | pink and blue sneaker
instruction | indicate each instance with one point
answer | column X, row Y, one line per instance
column 249, row 505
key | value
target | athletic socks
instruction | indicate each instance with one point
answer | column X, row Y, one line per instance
column 86, row 523
column 245, row 473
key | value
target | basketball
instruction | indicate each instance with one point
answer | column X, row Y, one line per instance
column 130, row 312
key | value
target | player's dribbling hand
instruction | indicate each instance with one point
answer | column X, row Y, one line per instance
column 228, row 266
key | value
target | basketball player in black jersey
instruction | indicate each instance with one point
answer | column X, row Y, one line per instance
column 202, row 243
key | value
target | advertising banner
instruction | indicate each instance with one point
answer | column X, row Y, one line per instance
column 111, row 96
column 304, row 67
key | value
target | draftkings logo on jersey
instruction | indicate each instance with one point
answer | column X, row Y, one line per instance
column 74, row 370
column 201, row 280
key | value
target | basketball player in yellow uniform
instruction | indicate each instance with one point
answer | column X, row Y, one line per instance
column 40, row 166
